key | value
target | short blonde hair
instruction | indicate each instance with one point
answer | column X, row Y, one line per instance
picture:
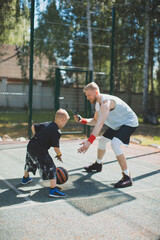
column 91, row 86
column 61, row 113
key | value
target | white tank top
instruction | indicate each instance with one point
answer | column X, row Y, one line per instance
column 122, row 114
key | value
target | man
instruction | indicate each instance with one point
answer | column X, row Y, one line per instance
column 121, row 122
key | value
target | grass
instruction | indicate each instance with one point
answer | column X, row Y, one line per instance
column 22, row 117
column 15, row 124
column 148, row 140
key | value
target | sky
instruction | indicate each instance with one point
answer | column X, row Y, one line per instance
column 42, row 7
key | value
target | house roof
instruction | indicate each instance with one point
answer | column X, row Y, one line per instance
column 10, row 69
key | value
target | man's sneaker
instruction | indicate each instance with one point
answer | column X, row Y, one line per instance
column 55, row 193
column 94, row 167
column 26, row 180
column 126, row 181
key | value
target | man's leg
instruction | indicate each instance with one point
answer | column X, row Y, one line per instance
column 97, row 166
column 100, row 155
column 126, row 180
column 122, row 162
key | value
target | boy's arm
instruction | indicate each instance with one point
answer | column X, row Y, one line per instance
column 59, row 154
column 33, row 130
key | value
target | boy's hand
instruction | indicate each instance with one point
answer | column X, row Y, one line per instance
column 59, row 157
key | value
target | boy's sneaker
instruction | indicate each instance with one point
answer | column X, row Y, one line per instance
column 26, row 180
column 126, row 181
column 55, row 193
column 94, row 167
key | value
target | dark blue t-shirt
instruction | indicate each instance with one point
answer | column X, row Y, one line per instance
column 47, row 135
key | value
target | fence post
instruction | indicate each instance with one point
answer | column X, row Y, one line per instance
column 85, row 103
column 4, row 90
column 31, row 72
column 57, row 90
column 112, row 52
column 89, row 105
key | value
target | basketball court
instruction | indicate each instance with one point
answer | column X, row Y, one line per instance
column 93, row 209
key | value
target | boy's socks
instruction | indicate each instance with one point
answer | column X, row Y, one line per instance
column 26, row 177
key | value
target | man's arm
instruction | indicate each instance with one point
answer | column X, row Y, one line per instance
column 87, row 121
column 92, row 121
column 106, row 106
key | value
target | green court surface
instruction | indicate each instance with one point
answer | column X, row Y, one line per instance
column 93, row 209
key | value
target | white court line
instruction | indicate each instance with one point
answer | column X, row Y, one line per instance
column 16, row 190
column 72, row 199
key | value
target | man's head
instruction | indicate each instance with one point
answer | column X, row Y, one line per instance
column 92, row 91
column 61, row 117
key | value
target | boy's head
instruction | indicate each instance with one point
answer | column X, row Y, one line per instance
column 61, row 117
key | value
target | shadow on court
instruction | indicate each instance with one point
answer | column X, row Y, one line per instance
column 90, row 196
column 84, row 193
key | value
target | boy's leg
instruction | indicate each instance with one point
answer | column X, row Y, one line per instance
column 26, row 179
column 30, row 166
column 49, row 172
column 53, row 183
column 26, row 174
column 31, row 163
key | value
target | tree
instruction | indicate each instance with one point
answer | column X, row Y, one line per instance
column 52, row 35
column 90, row 43
column 14, row 22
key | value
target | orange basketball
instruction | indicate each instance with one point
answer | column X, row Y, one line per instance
column 62, row 175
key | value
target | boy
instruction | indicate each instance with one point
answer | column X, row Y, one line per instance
column 46, row 135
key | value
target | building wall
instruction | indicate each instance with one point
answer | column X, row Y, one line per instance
column 10, row 67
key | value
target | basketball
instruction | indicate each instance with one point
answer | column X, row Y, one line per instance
column 62, row 175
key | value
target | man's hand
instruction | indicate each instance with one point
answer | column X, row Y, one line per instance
column 77, row 117
column 85, row 146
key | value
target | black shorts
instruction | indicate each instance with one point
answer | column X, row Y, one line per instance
column 123, row 133
column 43, row 162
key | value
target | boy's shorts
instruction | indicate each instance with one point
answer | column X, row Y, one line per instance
column 123, row 133
column 43, row 162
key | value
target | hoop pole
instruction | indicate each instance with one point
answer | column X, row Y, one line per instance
column 31, row 72
column 112, row 52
